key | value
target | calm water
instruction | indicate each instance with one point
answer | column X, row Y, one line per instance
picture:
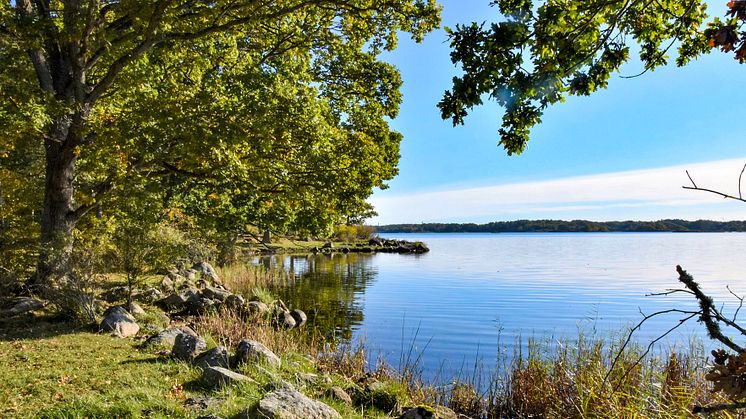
column 474, row 295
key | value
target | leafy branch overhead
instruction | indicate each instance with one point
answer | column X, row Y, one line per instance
column 541, row 52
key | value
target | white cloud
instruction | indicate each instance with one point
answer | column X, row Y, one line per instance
column 638, row 194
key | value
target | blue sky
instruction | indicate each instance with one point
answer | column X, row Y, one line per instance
column 639, row 134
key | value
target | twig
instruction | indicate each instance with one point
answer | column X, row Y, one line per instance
column 668, row 292
column 740, row 299
column 692, row 180
column 694, row 187
column 645, row 318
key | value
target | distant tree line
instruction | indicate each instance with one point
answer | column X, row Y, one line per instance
column 574, row 226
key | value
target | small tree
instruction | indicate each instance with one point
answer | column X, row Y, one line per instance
column 143, row 247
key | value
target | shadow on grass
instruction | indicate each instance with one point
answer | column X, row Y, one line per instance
column 39, row 326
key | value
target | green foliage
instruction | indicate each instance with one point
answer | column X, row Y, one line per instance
column 348, row 233
column 232, row 114
column 539, row 54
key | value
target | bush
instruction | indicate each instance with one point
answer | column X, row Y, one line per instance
column 353, row 232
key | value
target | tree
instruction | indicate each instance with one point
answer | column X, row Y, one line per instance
column 89, row 79
column 537, row 55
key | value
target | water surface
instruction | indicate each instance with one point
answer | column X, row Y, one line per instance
column 473, row 296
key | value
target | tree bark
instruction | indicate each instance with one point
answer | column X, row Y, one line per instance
column 58, row 216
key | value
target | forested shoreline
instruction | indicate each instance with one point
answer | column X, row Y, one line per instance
column 574, row 226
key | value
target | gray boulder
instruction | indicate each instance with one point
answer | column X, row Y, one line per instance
column 284, row 320
column 24, row 305
column 167, row 284
column 251, row 351
column 287, row 403
column 191, row 274
column 299, row 316
column 167, row 337
column 219, row 376
column 118, row 321
column 215, row 357
column 235, row 302
column 214, row 293
column 339, row 394
column 148, row 295
column 134, row 309
column 207, row 271
column 188, row 347
column 427, row 412
column 257, row 308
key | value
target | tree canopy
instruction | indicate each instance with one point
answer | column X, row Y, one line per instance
column 541, row 52
column 231, row 113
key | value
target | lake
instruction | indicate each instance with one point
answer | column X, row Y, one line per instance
column 475, row 296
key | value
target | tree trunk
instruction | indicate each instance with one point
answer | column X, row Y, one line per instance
column 58, row 215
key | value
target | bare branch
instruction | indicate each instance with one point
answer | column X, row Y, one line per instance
column 690, row 178
column 739, row 182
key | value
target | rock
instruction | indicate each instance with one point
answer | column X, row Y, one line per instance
column 167, row 284
column 134, row 309
column 375, row 241
column 299, row 316
column 120, row 322
column 167, row 337
column 284, row 320
column 235, row 302
column 201, row 284
column 339, row 394
column 287, row 403
column 215, row 357
column 148, row 295
column 257, row 308
column 24, row 305
column 191, row 274
column 207, row 271
column 202, row 402
column 215, row 293
column 253, row 351
column 219, row 376
column 173, row 301
column 202, row 305
column 188, row 347
column 427, row 412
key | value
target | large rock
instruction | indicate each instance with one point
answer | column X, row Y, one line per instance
column 251, row 351
column 284, row 320
column 148, row 295
column 339, row 394
column 24, row 305
column 180, row 301
column 134, row 309
column 427, row 412
column 287, row 403
column 257, row 308
column 207, row 271
column 299, row 316
column 215, row 357
column 219, row 376
column 214, row 293
column 167, row 337
column 188, row 347
column 120, row 322
column 235, row 302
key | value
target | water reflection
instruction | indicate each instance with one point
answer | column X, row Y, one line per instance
column 330, row 288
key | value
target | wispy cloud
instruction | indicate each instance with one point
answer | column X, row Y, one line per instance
column 639, row 194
